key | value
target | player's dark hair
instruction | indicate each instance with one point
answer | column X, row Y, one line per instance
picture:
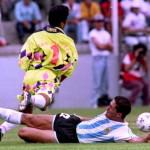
column 123, row 105
column 58, row 14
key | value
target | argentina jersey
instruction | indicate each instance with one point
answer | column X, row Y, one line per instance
column 102, row 129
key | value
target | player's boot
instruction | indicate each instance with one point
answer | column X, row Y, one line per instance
column 1, row 134
column 25, row 102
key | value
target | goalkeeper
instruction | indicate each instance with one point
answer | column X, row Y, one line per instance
column 47, row 57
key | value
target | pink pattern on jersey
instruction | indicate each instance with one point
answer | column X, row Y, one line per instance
column 45, row 76
column 55, row 49
column 66, row 67
column 37, row 56
column 51, row 84
column 27, row 88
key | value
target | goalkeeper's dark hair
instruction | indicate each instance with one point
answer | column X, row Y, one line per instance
column 58, row 14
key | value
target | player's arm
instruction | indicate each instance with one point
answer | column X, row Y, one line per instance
column 25, row 56
column 143, row 139
column 83, row 118
column 73, row 61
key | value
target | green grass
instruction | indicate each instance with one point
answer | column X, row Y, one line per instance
column 12, row 142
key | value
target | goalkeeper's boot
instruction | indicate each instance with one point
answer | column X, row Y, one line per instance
column 1, row 134
column 25, row 102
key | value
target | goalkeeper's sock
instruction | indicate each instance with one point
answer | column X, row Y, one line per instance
column 38, row 101
column 6, row 127
column 10, row 115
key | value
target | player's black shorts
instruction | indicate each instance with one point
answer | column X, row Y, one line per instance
column 65, row 127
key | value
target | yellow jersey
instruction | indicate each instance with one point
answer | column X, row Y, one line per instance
column 47, row 57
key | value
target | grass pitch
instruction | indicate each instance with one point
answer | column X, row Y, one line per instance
column 12, row 142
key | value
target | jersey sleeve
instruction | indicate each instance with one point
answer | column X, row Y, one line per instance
column 26, row 53
column 73, row 62
column 126, row 134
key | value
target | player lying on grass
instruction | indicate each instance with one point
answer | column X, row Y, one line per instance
column 109, row 126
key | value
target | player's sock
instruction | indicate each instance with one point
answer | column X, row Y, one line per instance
column 38, row 101
column 6, row 126
column 10, row 115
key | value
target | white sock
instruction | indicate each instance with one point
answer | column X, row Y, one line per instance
column 10, row 115
column 38, row 101
column 6, row 126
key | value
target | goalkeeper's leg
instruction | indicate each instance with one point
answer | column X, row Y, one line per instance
column 41, row 100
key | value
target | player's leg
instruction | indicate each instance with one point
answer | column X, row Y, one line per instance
column 37, row 135
column 42, row 100
column 35, row 121
column 39, row 100
column 38, row 121
column 39, row 128
column 6, row 126
column 43, row 123
column 42, row 97
column 10, row 115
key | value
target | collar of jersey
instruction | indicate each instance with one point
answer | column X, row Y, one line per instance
column 54, row 30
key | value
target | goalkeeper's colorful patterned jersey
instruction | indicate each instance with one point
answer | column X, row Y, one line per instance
column 47, row 57
column 102, row 129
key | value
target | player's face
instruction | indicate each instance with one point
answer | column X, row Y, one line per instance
column 111, row 111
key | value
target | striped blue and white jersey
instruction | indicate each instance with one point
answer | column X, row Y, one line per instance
column 102, row 129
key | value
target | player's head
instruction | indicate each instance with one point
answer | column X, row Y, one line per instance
column 119, row 108
column 57, row 16
column 123, row 106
